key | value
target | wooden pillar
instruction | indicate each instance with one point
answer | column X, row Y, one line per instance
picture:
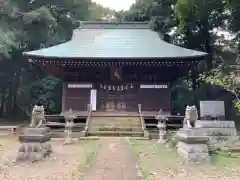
column 64, row 93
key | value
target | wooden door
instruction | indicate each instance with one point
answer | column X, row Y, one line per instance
column 116, row 101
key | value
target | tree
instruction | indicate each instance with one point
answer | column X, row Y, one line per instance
column 197, row 22
column 29, row 25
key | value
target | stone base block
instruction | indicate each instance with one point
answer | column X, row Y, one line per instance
column 215, row 124
column 37, row 131
column 34, row 138
column 32, row 156
column 193, row 153
column 218, row 131
column 33, row 151
column 83, row 134
column 146, row 134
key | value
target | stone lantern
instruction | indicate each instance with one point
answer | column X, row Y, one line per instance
column 161, row 126
column 69, row 117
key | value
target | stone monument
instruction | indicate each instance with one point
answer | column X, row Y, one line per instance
column 35, row 139
column 192, row 145
column 69, row 117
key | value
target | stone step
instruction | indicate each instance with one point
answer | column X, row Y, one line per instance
column 57, row 124
column 62, row 134
column 114, row 121
column 63, row 129
column 116, row 133
column 116, row 125
column 116, row 118
column 115, row 129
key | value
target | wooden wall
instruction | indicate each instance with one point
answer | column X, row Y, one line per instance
column 75, row 98
column 152, row 99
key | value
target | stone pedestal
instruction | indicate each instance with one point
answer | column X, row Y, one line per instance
column 218, row 132
column 192, row 147
column 34, row 144
column 68, row 138
column 161, row 131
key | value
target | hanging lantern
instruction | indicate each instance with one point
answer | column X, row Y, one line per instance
column 114, row 87
column 109, row 87
column 122, row 88
column 118, row 88
column 131, row 86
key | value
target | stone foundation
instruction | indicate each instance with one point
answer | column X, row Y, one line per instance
column 218, row 131
column 34, row 144
column 192, row 147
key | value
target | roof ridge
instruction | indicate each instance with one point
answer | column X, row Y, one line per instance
column 113, row 25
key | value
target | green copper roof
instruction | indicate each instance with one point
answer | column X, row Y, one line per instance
column 112, row 40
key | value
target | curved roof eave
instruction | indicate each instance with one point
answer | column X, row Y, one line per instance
column 124, row 43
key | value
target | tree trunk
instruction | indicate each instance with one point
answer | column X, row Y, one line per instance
column 207, row 43
column 2, row 102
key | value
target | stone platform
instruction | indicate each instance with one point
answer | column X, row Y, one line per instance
column 192, row 146
column 34, row 144
column 218, row 131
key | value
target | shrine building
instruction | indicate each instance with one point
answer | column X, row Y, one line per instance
column 116, row 68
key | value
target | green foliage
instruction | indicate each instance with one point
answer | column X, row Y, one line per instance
column 227, row 80
column 159, row 12
column 196, row 24
column 47, row 90
column 30, row 25
column 6, row 42
column 97, row 12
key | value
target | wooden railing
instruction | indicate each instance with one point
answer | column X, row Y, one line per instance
column 88, row 117
column 141, row 117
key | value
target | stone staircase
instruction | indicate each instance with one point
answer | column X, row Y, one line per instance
column 115, row 126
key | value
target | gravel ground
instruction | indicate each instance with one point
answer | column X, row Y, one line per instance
column 114, row 161
column 62, row 164
column 157, row 162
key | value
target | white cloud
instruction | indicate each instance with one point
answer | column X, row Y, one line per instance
column 116, row 4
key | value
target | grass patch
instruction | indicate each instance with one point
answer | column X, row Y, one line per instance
column 152, row 156
column 156, row 160
column 223, row 160
column 90, row 148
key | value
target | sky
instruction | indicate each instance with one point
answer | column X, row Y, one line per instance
column 116, row 4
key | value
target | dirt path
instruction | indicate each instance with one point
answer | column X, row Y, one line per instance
column 115, row 160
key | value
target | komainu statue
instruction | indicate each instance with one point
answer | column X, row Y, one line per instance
column 38, row 117
column 35, row 140
column 191, row 116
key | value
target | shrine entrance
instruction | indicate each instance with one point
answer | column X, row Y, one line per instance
column 115, row 105
column 120, row 98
